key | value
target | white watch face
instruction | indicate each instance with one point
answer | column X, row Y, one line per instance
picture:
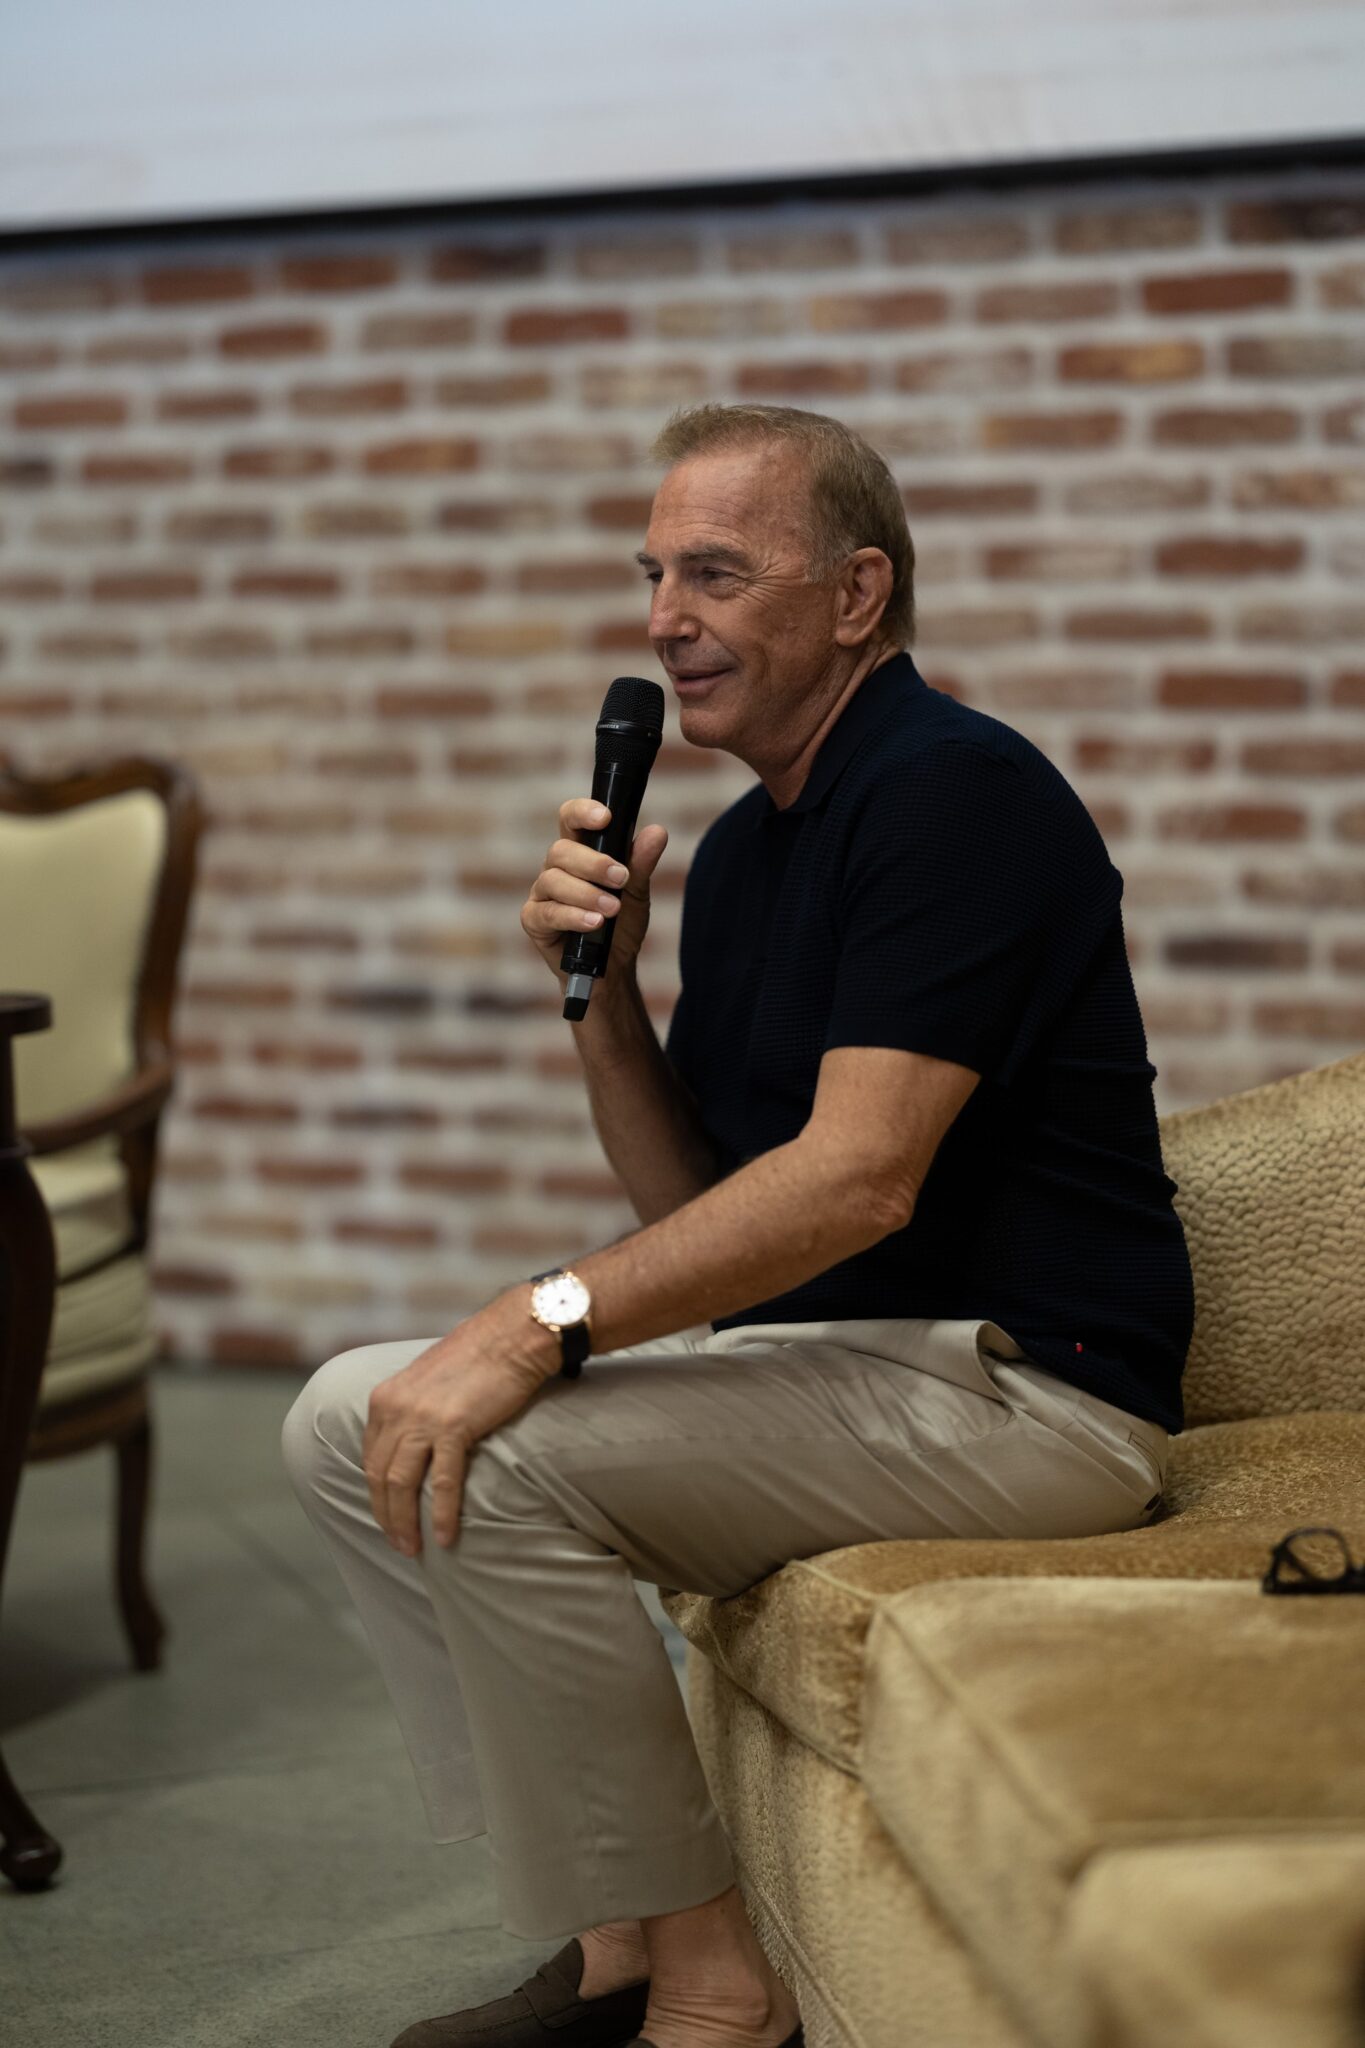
column 562, row 1300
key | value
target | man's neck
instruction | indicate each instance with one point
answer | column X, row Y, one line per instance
column 785, row 782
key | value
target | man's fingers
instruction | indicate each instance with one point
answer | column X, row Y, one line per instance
column 447, row 1490
column 582, row 814
column 402, row 1486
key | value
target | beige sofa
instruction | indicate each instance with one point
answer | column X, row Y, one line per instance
column 1098, row 1792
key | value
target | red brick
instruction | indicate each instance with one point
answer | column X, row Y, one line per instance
column 424, row 455
column 576, row 1185
column 297, row 585
column 427, row 579
column 1217, row 291
column 1225, row 426
column 539, row 326
column 1345, row 424
column 367, row 762
column 1343, row 289
column 640, row 256
column 991, row 498
column 1230, row 690
column 144, row 586
column 964, row 370
column 447, row 1177
column 217, row 402
column 1063, row 561
column 977, row 626
column 245, row 1109
column 390, row 1232
column 1057, row 431
column 26, row 472
column 235, row 1345
column 278, row 1171
column 1232, row 821
column 436, row 700
column 147, row 348
column 1230, row 555
column 385, row 1116
column 954, row 239
column 338, row 270
column 26, row 356
column 1324, row 755
column 30, row 586
column 486, row 262
column 642, row 384
column 1303, row 624
column 1316, row 218
column 309, row 1055
column 353, row 400
column 1297, row 355
column 1062, row 299
column 1244, row 951
column 280, row 461
column 1343, row 1021
column 800, row 379
column 505, row 639
column 1138, row 490
column 417, row 329
column 50, row 412
column 565, row 453
column 196, row 284
column 305, row 938
column 866, row 312
column 721, row 319
column 219, row 525
column 1098, row 231
column 793, row 249
column 267, row 340
column 1308, row 490
column 1140, row 624
column 53, row 292
column 510, row 387
column 1098, row 754
column 576, row 577
column 495, row 515
column 1348, row 687
column 451, row 1059
column 1131, row 362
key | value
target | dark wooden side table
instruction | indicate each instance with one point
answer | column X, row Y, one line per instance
column 29, row 1857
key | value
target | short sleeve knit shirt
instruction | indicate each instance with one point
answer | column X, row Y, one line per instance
column 939, row 886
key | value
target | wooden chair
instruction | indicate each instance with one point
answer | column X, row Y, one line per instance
column 96, row 871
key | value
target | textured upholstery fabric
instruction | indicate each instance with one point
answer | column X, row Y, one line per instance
column 1014, row 1730
column 1272, row 1197
column 93, row 871
column 1224, row 1944
column 795, row 1640
column 870, row 1958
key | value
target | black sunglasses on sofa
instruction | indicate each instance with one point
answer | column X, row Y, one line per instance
column 1313, row 1560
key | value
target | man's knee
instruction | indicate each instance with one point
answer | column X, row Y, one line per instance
column 328, row 1419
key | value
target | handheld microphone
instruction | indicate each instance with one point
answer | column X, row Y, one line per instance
column 629, row 729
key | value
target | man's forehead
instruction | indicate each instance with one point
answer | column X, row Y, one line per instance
column 729, row 496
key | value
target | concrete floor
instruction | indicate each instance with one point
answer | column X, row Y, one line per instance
column 247, row 1862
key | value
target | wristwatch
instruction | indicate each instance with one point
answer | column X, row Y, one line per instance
column 560, row 1302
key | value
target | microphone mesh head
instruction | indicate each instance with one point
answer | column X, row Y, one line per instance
column 636, row 699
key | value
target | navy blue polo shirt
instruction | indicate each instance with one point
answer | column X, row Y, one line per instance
column 939, row 886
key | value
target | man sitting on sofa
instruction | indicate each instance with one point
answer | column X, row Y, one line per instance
column 900, row 1185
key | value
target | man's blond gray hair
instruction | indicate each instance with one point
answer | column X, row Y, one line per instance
column 854, row 501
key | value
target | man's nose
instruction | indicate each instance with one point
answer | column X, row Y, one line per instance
column 667, row 618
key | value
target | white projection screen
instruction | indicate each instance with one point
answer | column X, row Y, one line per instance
column 127, row 111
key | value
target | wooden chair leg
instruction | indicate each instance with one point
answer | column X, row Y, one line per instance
column 141, row 1619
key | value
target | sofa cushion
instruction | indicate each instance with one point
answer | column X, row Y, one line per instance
column 795, row 1640
column 85, row 1192
column 1268, row 1191
column 1225, row 1944
column 1014, row 1731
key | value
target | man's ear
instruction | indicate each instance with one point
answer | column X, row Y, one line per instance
column 864, row 588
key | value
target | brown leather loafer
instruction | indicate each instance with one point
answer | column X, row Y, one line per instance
column 543, row 2012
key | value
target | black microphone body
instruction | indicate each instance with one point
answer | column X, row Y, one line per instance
column 628, row 734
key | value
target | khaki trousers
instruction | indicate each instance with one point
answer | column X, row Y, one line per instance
column 532, row 1687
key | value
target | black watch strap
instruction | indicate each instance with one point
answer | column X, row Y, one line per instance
column 575, row 1342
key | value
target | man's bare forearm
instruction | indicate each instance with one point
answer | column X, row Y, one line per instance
column 781, row 1219
column 648, row 1124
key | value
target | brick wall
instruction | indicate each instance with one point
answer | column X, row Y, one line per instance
column 344, row 520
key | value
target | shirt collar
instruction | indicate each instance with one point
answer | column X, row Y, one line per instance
column 875, row 694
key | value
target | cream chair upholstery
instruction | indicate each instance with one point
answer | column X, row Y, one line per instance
column 96, row 869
